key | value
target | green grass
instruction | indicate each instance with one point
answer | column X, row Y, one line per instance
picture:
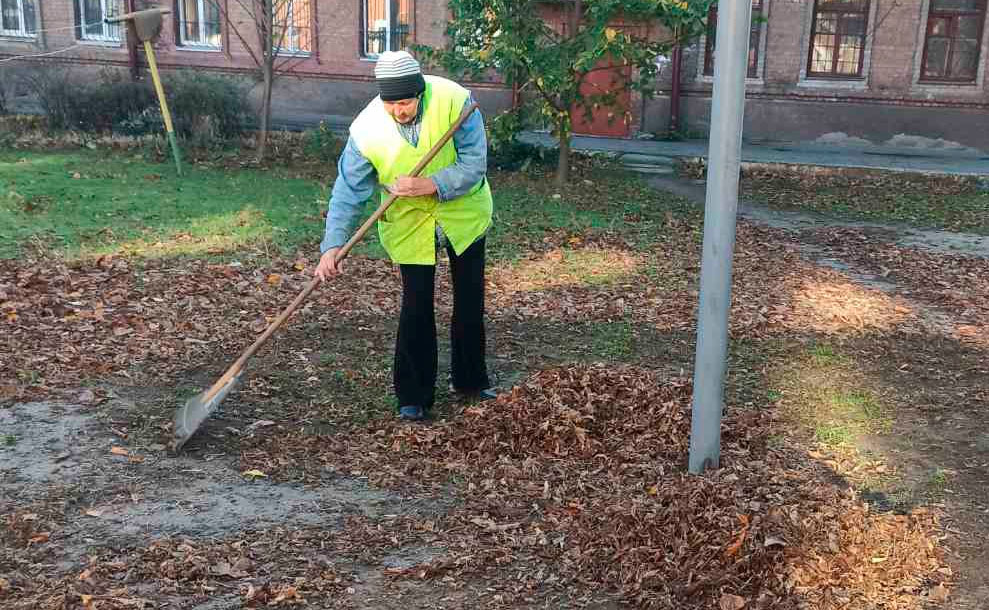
column 824, row 354
column 612, row 341
column 843, row 413
column 833, row 434
column 89, row 203
column 614, row 202
column 85, row 203
column 825, row 390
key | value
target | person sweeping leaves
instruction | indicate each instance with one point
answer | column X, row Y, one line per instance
column 449, row 207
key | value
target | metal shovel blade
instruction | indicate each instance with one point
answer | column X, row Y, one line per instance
column 195, row 411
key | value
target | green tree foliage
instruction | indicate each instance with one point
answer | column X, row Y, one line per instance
column 548, row 61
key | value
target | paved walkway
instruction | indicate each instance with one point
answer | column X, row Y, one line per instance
column 657, row 156
column 643, row 153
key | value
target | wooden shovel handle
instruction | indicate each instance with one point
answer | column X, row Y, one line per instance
column 236, row 367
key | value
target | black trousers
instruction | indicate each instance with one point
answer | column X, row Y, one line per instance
column 415, row 349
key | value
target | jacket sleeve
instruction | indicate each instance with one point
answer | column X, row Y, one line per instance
column 355, row 184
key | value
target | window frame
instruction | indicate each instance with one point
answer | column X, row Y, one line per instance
column 952, row 16
column 756, row 28
column 292, row 30
column 809, row 73
column 21, row 31
column 107, row 29
column 181, row 40
column 390, row 30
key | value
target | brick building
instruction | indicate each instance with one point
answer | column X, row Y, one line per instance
column 908, row 72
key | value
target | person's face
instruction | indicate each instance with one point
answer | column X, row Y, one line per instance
column 403, row 111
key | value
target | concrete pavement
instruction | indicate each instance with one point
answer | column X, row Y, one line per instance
column 641, row 154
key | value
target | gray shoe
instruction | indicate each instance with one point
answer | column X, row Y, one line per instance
column 412, row 413
column 487, row 394
column 477, row 395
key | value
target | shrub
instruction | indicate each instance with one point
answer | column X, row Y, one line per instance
column 507, row 152
column 51, row 85
column 322, row 144
column 204, row 108
column 515, row 155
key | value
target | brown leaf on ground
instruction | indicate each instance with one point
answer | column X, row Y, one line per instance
column 731, row 602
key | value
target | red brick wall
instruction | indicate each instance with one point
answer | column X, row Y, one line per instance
column 337, row 78
column 337, row 28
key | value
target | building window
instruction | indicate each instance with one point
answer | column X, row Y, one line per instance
column 386, row 26
column 18, row 18
column 755, row 36
column 837, row 38
column 954, row 36
column 293, row 26
column 199, row 23
column 91, row 13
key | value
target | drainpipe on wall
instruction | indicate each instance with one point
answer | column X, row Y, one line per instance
column 135, row 69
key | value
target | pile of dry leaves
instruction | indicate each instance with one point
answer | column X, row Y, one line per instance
column 577, row 477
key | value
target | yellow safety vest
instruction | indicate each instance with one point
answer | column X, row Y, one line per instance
column 408, row 229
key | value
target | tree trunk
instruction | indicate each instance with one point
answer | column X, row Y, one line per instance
column 563, row 166
column 676, row 60
column 265, row 109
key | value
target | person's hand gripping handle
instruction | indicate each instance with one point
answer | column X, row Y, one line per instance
column 331, row 263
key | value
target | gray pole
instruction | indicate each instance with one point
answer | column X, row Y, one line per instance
column 721, row 205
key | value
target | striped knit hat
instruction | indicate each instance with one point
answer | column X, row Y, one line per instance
column 398, row 76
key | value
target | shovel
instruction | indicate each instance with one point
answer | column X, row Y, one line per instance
column 197, row 409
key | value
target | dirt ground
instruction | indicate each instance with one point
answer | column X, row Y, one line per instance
column 97, row 513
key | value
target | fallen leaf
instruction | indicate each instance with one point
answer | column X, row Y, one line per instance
column 300, row 265
column 85, row 574
column 734, row 547
column 939, row 593
column 225, row 569
column 729, row 601
column 285, row 594
column 119, row 451
column 274, row 279
column 42, row 537
column 254, row 474
column 94, row 513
